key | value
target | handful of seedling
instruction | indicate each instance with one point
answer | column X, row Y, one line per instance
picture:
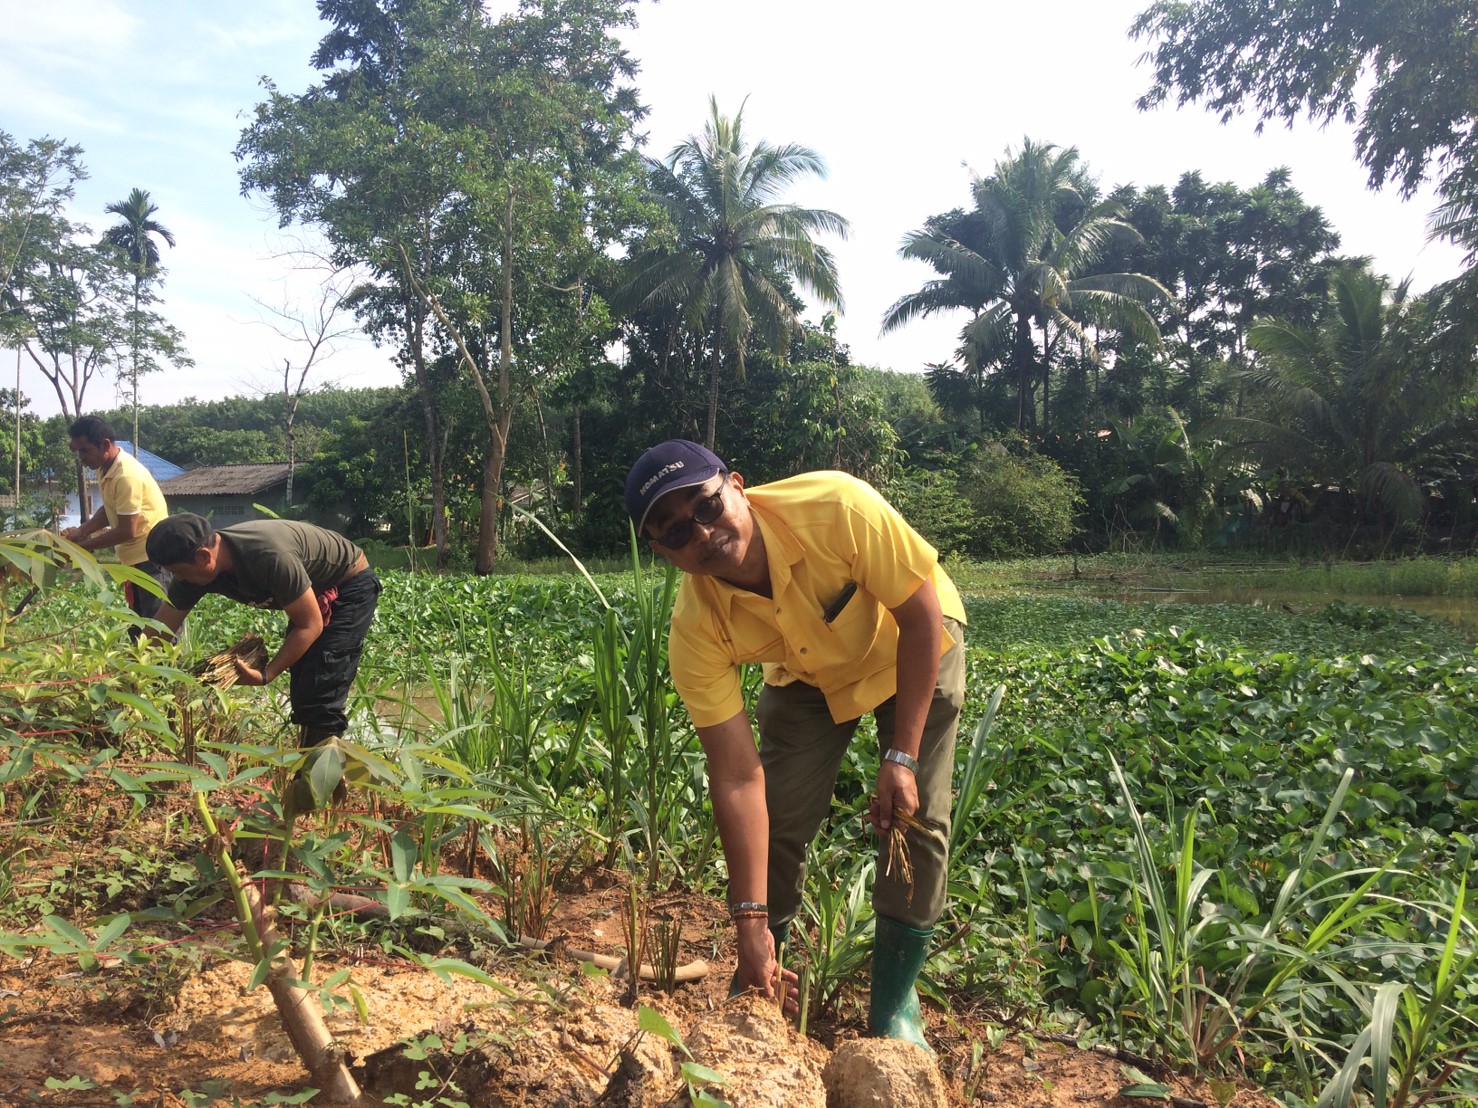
column 219, row 669
column 898, row 854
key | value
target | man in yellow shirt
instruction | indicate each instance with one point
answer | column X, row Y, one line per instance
column 820, row 580
column 132, row 505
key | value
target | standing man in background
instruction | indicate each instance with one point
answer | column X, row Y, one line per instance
column 132, row 505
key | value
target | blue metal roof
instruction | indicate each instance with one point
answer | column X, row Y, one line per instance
column 156, row 465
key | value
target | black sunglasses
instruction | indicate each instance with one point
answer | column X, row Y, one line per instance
column 708, row 509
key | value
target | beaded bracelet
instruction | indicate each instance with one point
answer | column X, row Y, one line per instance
column 749, row 915
column 751, row 906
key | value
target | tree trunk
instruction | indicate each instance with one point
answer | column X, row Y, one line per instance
column 415, row 319
column 709, row 438
column 577, row 469
column 501, row 420
column 1046, row 386
column 1022, row 356
column 135, row 365
column 292, row 415
column 84, row 495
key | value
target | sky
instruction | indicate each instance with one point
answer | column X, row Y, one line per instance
column 902, row 101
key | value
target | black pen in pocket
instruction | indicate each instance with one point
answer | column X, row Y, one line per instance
column 834, row 609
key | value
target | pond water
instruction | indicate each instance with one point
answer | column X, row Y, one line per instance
column 1460, row 611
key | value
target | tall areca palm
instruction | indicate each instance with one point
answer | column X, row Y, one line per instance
column 134, row 238
column 735, row 245
column 1015, row 260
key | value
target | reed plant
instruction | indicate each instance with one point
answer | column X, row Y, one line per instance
column 832, row 940
column 1421, row 1039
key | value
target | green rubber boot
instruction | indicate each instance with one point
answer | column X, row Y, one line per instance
column 780, row 932
column 898, row 953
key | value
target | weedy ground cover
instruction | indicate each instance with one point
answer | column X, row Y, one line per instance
column 1229, row 837
column 1242, row 570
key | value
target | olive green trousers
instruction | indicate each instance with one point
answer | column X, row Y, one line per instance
column 801, row 749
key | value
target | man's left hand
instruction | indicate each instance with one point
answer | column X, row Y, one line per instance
column 897, row 791
column 246, row 675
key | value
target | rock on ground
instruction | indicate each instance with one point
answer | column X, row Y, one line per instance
column 884, row 1073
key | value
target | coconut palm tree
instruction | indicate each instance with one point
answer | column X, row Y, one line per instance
column 134, row 239
column 1354, row 403
column 1025, row 254
column 734, row 246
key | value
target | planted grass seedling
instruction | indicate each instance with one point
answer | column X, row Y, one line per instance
column 219, row 670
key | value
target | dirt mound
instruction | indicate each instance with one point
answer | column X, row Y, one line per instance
column 540, row 1035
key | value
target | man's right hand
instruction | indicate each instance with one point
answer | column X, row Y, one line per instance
column 757, row 964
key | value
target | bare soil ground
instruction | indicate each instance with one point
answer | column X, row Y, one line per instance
column 186, row 1031
column 560, row 1033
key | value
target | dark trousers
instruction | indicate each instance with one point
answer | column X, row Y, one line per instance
column 140, row 601
column 322, row 678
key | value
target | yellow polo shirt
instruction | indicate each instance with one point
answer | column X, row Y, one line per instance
column 130, row 490
column 822, row 531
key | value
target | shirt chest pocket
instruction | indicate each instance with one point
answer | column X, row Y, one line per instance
column 851, row 634
column 750, row 638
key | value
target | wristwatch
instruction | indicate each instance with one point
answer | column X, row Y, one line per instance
column 907, row 761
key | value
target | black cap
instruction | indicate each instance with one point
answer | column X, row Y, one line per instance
column 174, row 541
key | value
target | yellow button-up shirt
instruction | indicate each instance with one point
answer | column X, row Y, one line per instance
column 823, row 532
column 130, row 490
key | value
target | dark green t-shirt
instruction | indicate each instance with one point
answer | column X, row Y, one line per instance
column 275, row 561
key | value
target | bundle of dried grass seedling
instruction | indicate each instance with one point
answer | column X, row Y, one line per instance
column 898, row 855
column 219, row 670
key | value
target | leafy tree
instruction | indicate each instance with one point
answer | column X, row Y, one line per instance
column 134, row 238
column 1027, row 254
column 478, row 169
column 1166, row 480
column 724, row 264
column 1412, row 61
column 36, row 182
column 999, row 500
column 22, row 445
column 1405, row 72
column 1353, row 404
column 1023, row 503
column 1229, row 256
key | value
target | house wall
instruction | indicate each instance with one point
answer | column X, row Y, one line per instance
column 224, row 509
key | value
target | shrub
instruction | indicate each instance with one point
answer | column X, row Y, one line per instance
column 931, row 502
column 1022, row 503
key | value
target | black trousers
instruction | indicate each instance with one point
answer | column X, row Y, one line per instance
column 141, row 601
column 322, row 678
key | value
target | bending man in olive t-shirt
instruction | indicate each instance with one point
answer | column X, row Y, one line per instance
column 318, row 577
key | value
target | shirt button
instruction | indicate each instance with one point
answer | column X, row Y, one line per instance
column 803, row 650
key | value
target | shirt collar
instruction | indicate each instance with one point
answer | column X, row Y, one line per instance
column 782, row 551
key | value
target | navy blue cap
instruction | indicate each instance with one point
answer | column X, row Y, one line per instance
column 674, row 464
